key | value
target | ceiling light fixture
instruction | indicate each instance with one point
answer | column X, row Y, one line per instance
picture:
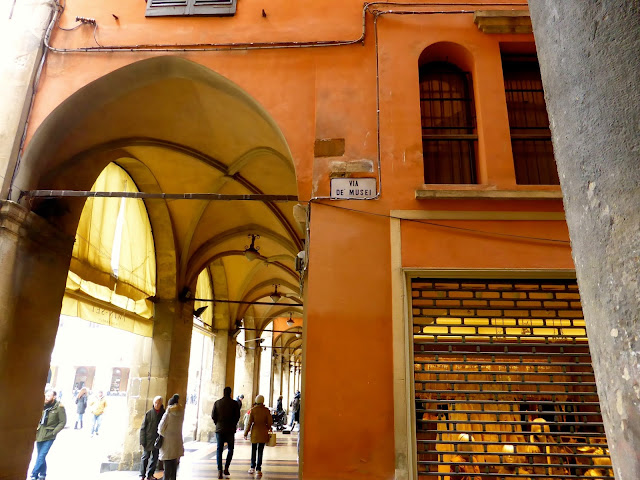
column 290, row 322
column 275, row 296
column 251, row 252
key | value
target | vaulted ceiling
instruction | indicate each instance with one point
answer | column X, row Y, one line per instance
column 177, row 127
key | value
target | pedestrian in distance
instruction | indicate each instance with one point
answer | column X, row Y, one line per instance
column 225, row 415
column 295, row 409
column 148, row 436
column 52, row 421
column 98, row 405
column 259, row 425
column 240, row 399
column 81, row 407
column 170, row 427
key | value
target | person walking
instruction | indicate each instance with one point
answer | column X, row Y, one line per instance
column 259, row 424
column 295, row 409
column 170, row 427
column 98, row 406
column 52, row 421
column 81, row 407
column 148, row 436
column 225, row 414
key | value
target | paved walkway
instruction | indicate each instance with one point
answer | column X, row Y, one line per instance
column 77, row 456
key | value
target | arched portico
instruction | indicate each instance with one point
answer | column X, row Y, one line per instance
column 176, row 127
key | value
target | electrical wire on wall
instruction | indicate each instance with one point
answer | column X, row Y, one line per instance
column 471, row 231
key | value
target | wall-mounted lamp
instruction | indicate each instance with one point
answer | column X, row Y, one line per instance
column 290, row 322
column 275, row 296
column 251, row 252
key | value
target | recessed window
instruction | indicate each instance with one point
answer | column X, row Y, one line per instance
column 164, row 8
column 528, row 121
column 449, row 135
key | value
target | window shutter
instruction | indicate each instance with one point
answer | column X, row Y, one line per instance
column 213, row 7
column 161, row 8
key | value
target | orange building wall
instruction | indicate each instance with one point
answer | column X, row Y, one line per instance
column 331, row 93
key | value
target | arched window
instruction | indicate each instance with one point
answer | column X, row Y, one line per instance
column 449, row 135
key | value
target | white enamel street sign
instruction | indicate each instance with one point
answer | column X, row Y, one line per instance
column 353, row 188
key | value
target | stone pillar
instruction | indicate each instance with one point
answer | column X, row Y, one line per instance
column 214, row 378
column 180, row 350
column 286, row 385
column 148, row 377
column 276, row 378
column 35, row 261
column 245, row 374
column 24, row 23
column 589, row 61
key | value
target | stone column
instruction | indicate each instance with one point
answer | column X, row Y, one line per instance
column 589, row 61
column 245, row 375
column 148, row 378
column 276, row 378
column 35, row 261
column 214, row 378
column 24, row 23
column 180, row 350
column 286, row 385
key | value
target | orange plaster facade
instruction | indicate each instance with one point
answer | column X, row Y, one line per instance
column 330, row 92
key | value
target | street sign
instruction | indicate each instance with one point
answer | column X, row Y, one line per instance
column 353, row 188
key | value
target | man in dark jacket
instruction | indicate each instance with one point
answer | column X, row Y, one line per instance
column 53, row 420
column 148, row 436
column 225, row 414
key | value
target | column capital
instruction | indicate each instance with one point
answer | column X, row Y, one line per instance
column 23, row 223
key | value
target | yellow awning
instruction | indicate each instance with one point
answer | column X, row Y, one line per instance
column 99, row 230
column 204, row 289
column 96, row 303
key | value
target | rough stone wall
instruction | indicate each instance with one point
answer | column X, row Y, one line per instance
column 589, row 61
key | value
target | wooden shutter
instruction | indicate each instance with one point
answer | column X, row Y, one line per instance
column 162, row 8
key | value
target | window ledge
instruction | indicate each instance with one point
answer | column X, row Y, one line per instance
column 503, row 21
column 477, row 192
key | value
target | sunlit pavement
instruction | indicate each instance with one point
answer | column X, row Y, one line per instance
column 75, row 455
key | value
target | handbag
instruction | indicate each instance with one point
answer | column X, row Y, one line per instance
column 272, row 439
column 158, row 442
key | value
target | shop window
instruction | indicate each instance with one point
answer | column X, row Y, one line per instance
column 165, row 8
column 449, row 135
column 528, row 121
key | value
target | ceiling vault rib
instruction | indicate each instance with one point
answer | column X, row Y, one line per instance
column 123, row 143
column 226, row 171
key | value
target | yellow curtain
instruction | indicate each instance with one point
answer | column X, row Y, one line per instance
column 96, row 235
column 96, row 303
column 204, row 289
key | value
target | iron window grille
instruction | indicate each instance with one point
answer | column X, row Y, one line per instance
column 165, row 8
column 529, row 124
column 449, row 135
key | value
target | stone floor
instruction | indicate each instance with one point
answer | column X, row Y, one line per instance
column 77, row 456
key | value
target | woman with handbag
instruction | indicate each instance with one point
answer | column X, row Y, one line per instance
column 170, row 439
column 259, row 424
